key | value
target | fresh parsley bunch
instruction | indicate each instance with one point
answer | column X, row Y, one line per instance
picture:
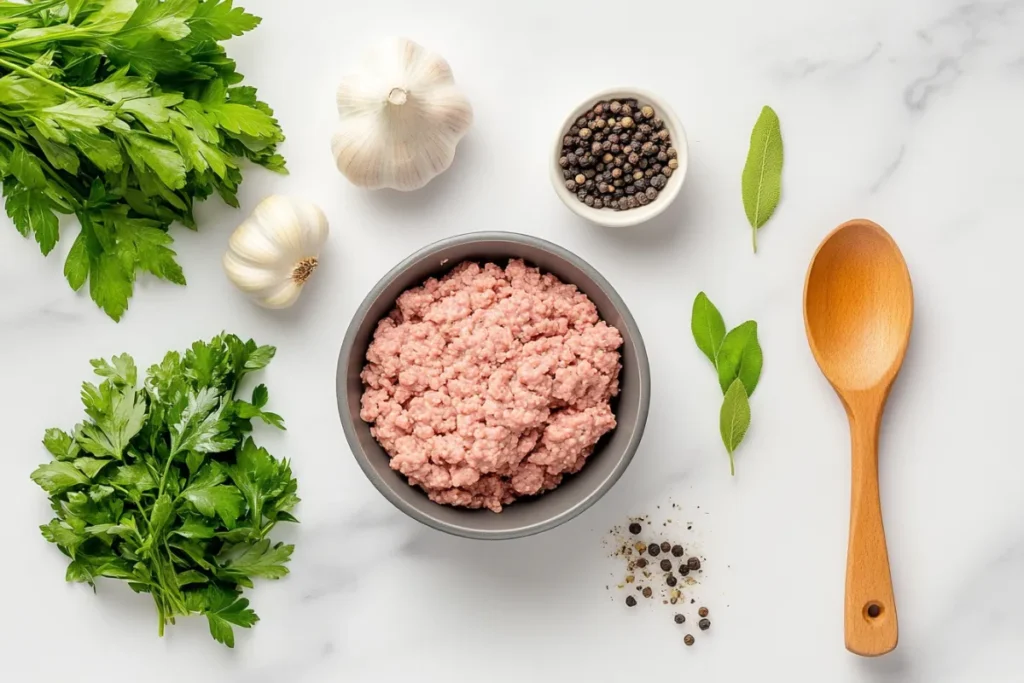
column 123, row 113
column 163, row 488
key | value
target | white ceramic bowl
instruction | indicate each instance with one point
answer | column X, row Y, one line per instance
column 610, row 217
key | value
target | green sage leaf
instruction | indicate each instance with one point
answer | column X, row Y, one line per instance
column 734, row 419
column 740, row 358
column 707, row 326
column 762, row 174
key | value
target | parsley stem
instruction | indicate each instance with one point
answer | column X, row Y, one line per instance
column 37, row 76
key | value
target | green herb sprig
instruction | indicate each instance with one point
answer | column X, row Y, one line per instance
column 162, row 486
column 123, row 113
column 737, row 358
column 762, row 174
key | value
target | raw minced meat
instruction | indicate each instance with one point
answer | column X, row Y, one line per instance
column 490, row 384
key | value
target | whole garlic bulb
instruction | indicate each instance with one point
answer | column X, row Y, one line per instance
column 274, row 251
column 401, row 117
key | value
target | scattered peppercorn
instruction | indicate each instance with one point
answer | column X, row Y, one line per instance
column 648, row 592
column 630, row 601
column 693, row 563
column 671, row 580
column 665, row 546
column 666, row 565
column 653, row 549
column 703, row 611
column 677, row 550
column 688, row 639
column 680, row 619
column 635, row 528
column 641, row 563
column 704, row 624
column 684, row 570
column 613, row 145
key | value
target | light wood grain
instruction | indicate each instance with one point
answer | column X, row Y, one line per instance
column 858, row 311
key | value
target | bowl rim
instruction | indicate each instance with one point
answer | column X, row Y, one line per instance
column 631, row 217
column 466, row 531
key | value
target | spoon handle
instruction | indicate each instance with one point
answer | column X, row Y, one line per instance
column 871, row 628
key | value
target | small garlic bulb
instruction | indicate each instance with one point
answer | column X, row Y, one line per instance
column 275, row 250
column 401, row 117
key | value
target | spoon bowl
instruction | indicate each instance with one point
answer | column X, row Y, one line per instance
column 858, row 311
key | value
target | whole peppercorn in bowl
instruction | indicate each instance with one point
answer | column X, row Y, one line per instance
column 620, row 158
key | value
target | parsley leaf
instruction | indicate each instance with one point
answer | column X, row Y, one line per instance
column 127, row 113
column 139, row 498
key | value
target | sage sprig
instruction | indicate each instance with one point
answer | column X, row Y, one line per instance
column 738, row 359
column 762, row 174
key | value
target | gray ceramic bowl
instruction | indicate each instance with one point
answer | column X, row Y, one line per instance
column 578, row 492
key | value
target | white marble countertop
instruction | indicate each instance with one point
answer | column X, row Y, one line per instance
column 908, row 113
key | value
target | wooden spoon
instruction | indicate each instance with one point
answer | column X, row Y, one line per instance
column 858, row 310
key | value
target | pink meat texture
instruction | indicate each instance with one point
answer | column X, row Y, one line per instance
column 490, row 384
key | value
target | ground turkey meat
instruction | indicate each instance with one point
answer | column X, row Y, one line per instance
column 490, row 384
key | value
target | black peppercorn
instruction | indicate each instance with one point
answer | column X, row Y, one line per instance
column 704, row 624
column 671, row 580
column 579, row 151
column 595, row 148
column 663, row 135
column 618, row 182
column 563, row 162
column 581, row 195
column 657, row 168
column 589, row 173
column 677, row 550
column 589, row 185
column 585, row 133
column 627, row 167
column 688, row 640
column 615, row 107
column 588, row 200
column 623, row 204
column 703, row 611
column 641, row 563
column 630, row 601
column 643, row 163
column 667, row 172
column 658, row 182
column 649, row 173
column 680, row 619
column 666, row 565
column 640, row 183
column 648, row 592
column 632, row 203
column 570, row 185
column 566, row 174
column 635, row 528
column 653, row 549
column 665, row 546
column 672, row 153
column 634, row 158
column 572, row 159
column 662, row 157
column 630, row 190
column 684, row 570
column 616, row 173
column 641, row 197
column 581, row 121
column 607, row 203
column 567, row 140
column 693, row 563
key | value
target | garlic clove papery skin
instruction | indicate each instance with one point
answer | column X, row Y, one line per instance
column 272, row 253
column 402, row 117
